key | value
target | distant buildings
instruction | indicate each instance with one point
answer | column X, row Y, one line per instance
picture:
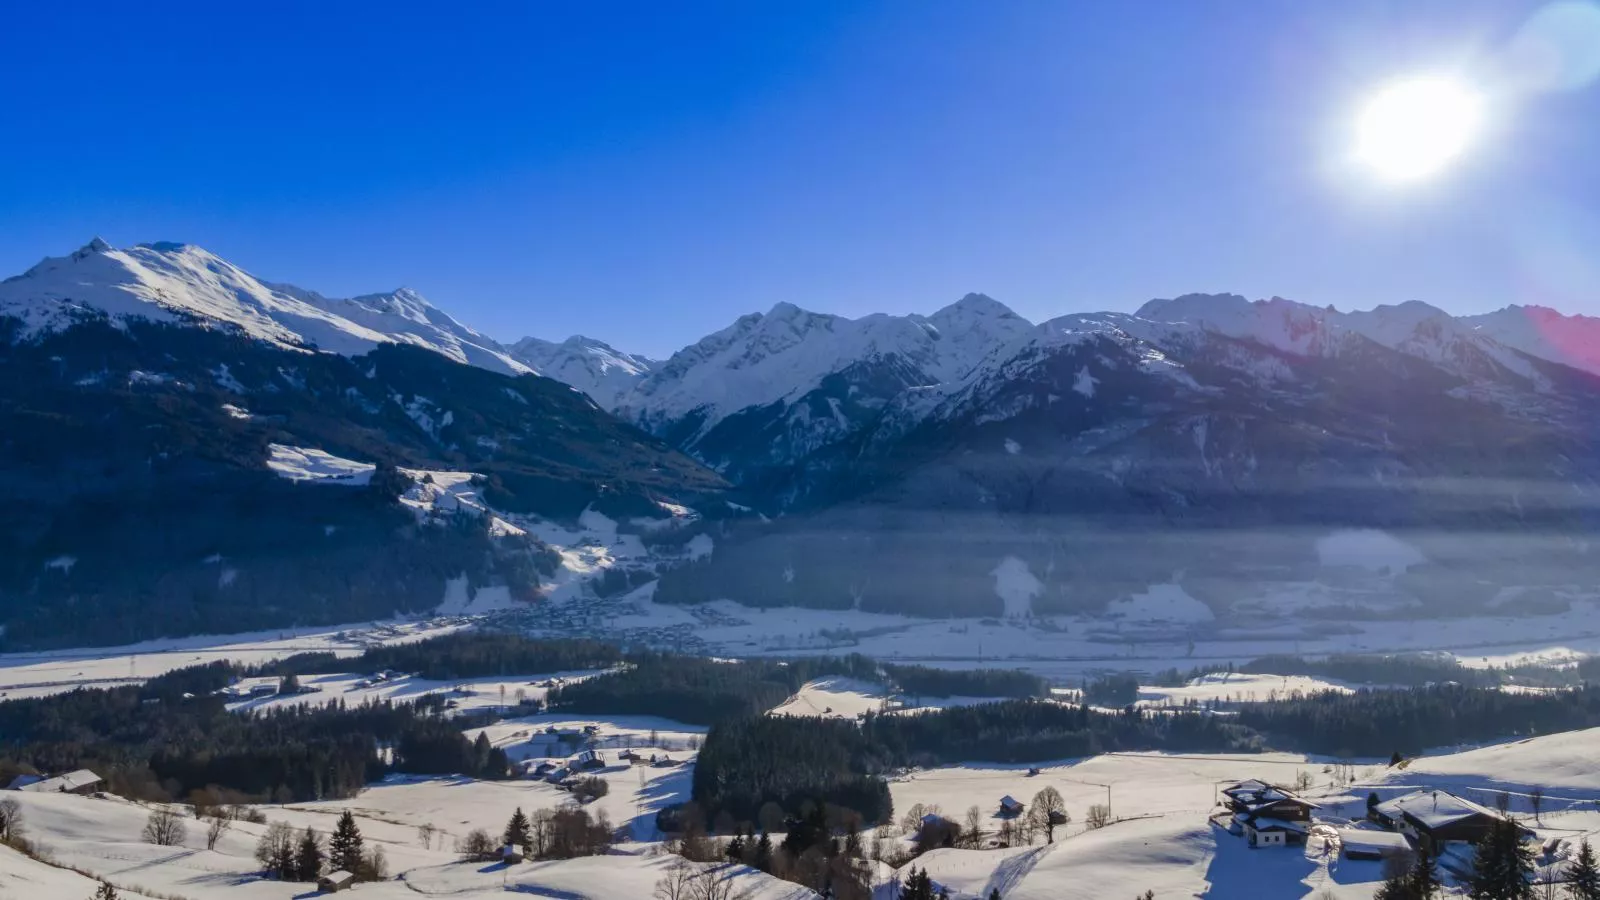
column 81, row 781
column 1010, row 807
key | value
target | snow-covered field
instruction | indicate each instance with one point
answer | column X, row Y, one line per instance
column 1164, row 842
column 1236, row 687
column 1161, row 838
column 357, row 688
column 848, row 698
column 1067, row 649
column 101, row 836
column 49, row 672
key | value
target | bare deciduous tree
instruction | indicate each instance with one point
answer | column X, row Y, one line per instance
column 676, row 883
column 425, row 833
column 214, row 830
column 1047, row 811
column 275, row 850
column 164, row 828
column 10, row 820
column 477, row 846
column 1536, row 800
column 1098, row 816
column 973, row 830
column 912, row 820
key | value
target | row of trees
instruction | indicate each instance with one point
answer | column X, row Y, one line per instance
column 931, row 682
column 288, row 856
column 1380, row 722
column 701, row 691
column 154, row 743
column 563, row 833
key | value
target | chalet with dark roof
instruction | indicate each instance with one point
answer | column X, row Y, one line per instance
column 1436, row 817
column 1268, row 815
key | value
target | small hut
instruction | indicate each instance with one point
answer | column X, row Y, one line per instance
column 333, row 882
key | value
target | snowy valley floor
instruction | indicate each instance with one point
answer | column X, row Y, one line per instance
column 1161, row 838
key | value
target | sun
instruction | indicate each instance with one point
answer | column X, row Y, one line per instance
column 1415, row 128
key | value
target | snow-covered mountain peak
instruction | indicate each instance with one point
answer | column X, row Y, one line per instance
column 187, row 284
column 973, row 306
column 592, row 366
column 1542, row 332
column 785, row 354
column 1191, row 307
column 1278, row 323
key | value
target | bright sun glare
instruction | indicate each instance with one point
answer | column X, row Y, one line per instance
column 1415, row 128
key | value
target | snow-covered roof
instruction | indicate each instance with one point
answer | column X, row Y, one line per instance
column 71, row 781
column 1372, row 839
column 1433, row 809
column 1254, row 794
column 1267, row 823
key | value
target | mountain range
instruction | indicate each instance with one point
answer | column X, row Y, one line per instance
column 1239, row 461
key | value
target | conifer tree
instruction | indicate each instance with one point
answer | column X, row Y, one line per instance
column 918, row 886
column 1502, row 867
column 1424, row 875
column 518, row 833
column 308, row 858
column 480, row 751
column 1584, row 874
column 344, row 848
column 763, row 854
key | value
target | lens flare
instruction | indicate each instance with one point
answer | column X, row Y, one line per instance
column 1415, row 128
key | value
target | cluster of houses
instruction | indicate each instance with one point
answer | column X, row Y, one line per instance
column 1268, row 815
column 383, row 677
column 563, row 774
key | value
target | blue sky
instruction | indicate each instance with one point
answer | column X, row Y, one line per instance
column 644, row 172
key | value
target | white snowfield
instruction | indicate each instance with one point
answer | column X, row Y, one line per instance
column 100, row 835
column 318, row 466
column 54, row 671
column 1164, row 841
column 1173, row 857
column 355, row 688
column 22, row 878
column 837, row 697
column 1161, row 838
column 1237, row 687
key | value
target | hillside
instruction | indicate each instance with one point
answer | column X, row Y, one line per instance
column 163, row 480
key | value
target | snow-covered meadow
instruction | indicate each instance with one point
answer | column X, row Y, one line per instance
column 1160, row 838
